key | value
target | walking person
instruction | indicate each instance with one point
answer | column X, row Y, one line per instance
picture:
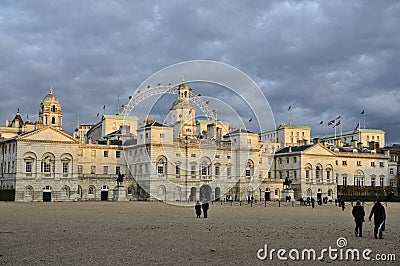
column 197, row 207
column 312, row 202
column 378, row 211
column 205, row 207
column 358, row 214
column 342, row 204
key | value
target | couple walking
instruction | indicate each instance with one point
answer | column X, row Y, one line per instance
column 378, row 211
column 203, row 206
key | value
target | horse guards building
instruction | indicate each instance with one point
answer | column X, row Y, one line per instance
column 186, row 160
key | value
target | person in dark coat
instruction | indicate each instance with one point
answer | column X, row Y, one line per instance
column 342, row 204
column 312, row 202
column 197, row 207
column 205, row 206
column 358, row 214
column 378, row 211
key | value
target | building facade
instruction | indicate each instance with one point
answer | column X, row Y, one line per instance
column 186, row 159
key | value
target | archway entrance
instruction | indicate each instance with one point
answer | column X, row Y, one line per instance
column 319, row 194
column 192, row 196
column 217, row 193
column 47, row 194
column 205, row 193
column 104, row 193
column 267, row 194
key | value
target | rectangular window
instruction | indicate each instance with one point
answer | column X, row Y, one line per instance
column 105, row 154
column 117, row 170
column 193, row 155
column 381, row 181
column 193, row 171
column 373, row 182
column 217, row 170
column 372, row 164
column 269, row 174
column 248, row 172
column 344, row 181
column 65, row 166
column 229, row 171
column 28, row 167
column 177, row 170
column 105, row 170
column 287, row 174
column 358, row 163
column 117, row 154
column 80, row 169
column 328, row 175
column 381, row 164
column 280, row 175
column 295, row 159
column 337, row 163
column 307, row 174
column 391, row 171
column 295, row 174
column 93, row 153
column 93, row 169
column 344, row 163
column 391, row 182
column 287, row 159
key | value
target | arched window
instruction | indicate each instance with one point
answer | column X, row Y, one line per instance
column 91, row 191
column 53, row 108
column 317, row 172
column 160, row 167
column 328, row 174
column 249, row 168
column 53, row 120
column 205, row 168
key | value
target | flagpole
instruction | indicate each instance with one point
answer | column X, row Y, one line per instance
column 335, row 132
column 359, row 135
column 364, row 119
column 290, row 115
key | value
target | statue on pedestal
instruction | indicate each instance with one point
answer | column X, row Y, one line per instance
column 120, row 179
column 287, row 183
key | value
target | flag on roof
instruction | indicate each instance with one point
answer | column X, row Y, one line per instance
column 322, row 121
column 331, row 122
column 290, row 107
column 362, row 112
column 337, row 123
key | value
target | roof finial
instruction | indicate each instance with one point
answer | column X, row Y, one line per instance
column 18, row 110
column 51, row 89
column 183, row 78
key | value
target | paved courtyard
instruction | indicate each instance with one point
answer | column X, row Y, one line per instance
column 154, row 233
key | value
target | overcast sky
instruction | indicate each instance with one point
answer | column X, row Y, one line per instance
column 323, row 58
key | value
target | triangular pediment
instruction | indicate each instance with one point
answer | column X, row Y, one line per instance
column 47, row 134
column 318, row 149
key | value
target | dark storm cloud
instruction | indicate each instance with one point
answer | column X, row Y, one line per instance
column 325, row 58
